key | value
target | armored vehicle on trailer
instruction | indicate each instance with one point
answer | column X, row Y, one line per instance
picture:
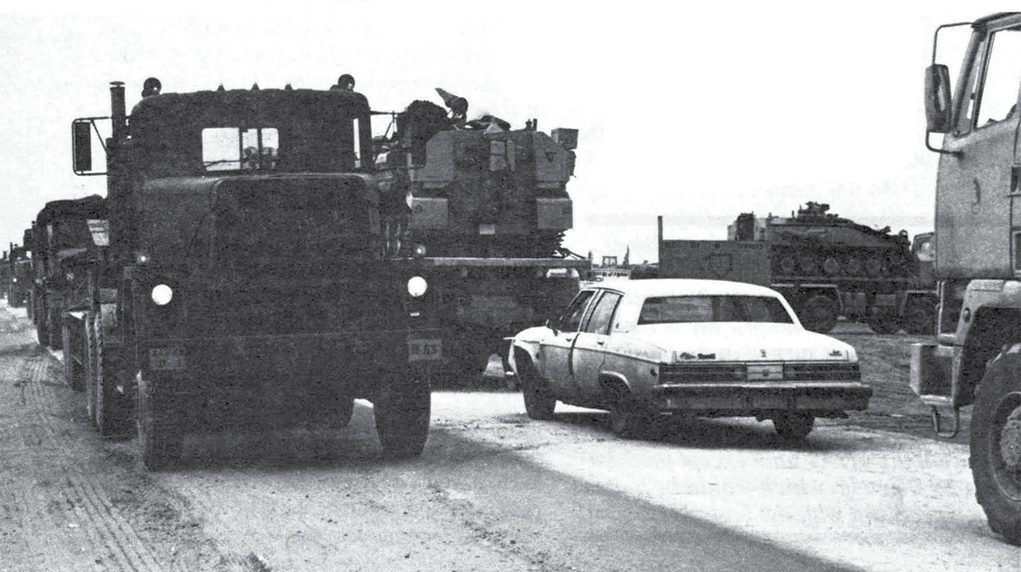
column 244, row 282
column 489, row 205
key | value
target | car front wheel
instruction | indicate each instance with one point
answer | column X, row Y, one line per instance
column 539, row 401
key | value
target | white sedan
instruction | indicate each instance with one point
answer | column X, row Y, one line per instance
column 642, row 348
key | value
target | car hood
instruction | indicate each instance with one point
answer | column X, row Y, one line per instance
column 743, row 342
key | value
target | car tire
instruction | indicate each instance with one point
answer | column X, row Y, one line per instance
column 402, row 411
column 793, row 426
column 996, row 445
column 539, row 400
column 628, row 421
column 819, row 314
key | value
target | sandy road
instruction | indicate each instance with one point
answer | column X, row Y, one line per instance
column 493, row 491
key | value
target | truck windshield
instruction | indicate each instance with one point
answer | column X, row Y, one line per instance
column 234, row 149
column 708, row 308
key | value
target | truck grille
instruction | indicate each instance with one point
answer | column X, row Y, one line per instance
column 729, row 373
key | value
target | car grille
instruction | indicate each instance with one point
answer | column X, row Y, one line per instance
column 724, row 373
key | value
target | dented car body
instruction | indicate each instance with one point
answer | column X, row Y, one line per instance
column 644, row 348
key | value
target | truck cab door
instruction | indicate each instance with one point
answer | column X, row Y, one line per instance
column 555, row 351
column 978, row 216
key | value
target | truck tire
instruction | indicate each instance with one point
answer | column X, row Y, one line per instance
column 103, row 400
column 920, row 317
column 401, row 410
column 42, row 333
column 793, row 425
column 161, row 441
column 74, row 373
column 819, row 314
column 539, row 400
column 996, row 445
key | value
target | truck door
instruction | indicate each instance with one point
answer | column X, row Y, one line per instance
column 556, row 364
column 590, row 346
column 976, row 198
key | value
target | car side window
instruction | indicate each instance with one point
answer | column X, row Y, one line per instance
column 602, row 314
column 570, row 321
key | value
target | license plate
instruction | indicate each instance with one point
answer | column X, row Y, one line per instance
column 425, row 350
column 166, row 359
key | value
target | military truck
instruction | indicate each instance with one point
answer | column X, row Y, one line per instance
column 826, row 266
column 60, row 240
column 19, row 285
column 488, row 204
column 976, row 356
column 241, row 278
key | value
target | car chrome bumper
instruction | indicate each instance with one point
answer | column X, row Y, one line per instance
column 749, row 398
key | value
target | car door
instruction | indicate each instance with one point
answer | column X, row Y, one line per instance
column 588, row 354
column 555, row 351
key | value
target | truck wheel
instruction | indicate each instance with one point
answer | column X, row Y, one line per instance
column 103, row 402
column 539, row 400
column 402, row 409
column 819, row 314
column 883, row 321
column 793, row 426
column 920, row 317
column 74, row 373
column 996, row 445
column 42, row 333
column 53, row 334
column 161, row 441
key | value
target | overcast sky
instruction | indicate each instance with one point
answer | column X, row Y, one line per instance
column 694, row 113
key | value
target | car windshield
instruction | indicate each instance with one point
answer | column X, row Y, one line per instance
column 709, row 308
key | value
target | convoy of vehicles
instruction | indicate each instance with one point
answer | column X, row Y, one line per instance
column 826, row 266
column 976, row 356
column 642, row 348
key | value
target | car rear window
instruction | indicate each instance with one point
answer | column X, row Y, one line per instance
column 705, row 308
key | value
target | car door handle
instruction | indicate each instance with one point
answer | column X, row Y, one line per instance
column 569, row 338
column 601, row 342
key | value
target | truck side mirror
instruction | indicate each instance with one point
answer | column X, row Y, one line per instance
column 937, row 98
column 81, row 139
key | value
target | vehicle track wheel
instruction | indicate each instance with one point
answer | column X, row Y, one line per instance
column 161, row 441
column 787, row 264
column 809, row 265
column 819, row 314
column 628, row 420
column 920, row 317
column 996, row 445
column 793, row 426
column 401, row 410
column 853, row 266
column 539, row 400
column 831, row 266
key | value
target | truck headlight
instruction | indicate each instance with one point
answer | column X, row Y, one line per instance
column 417, row 286
column 162, row 294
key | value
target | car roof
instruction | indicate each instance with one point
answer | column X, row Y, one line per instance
column 684, row 286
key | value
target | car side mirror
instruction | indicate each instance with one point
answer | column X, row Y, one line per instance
column 553, row 324
column 937, row 98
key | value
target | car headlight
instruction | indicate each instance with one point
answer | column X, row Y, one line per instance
column 162, row 294
column 417, row 286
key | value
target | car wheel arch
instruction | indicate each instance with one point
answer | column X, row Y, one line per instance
column 615, row 387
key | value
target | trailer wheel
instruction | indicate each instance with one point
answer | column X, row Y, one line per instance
column 996, row 445
column 792, row 425
column 920, row 317
column 819, row 314
column 74, row 373
column 401, row 409
column 883, row 321
column 539, row 400
column 161, row 441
